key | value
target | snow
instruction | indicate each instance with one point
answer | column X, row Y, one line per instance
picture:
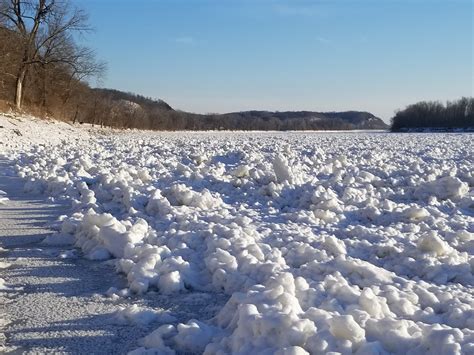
column 322, row 242
column 3, row 197
column 444, row 188
column 140, row 315
column 345, row 327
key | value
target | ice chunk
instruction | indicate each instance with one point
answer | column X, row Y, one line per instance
column 158, row 205
column 345, row 327
column 134, row 314
column 431, row 242
column 292, row 350
column 194, row 336
column 170, row 282
column 448, row 187
column 282, row 170
column 156, row 340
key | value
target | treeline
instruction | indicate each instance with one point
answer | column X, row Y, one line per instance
column 452, row 115
column 126, row 110
column 244, row 122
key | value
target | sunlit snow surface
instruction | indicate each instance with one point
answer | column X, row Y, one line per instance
column 347, row 242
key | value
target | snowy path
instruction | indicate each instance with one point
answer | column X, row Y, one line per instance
column 54, row 304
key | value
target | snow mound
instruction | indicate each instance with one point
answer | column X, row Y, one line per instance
column 138, row 315
column 448, row 187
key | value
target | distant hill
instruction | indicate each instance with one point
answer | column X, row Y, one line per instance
column 122, row 109
column 360, row 119
column 144, row 102
column 306, row 120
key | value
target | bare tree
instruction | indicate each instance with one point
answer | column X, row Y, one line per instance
column 45, row 30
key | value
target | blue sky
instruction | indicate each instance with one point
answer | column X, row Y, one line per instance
column 231, row 55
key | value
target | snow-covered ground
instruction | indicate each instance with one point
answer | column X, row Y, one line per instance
column 321, row 242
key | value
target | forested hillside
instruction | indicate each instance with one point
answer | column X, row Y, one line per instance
column 42, row 67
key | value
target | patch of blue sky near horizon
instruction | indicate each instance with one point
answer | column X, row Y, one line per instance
column 232, row 55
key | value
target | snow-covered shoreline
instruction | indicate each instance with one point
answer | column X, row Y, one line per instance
column 348, row 242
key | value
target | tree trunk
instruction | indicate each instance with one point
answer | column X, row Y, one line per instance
column 75, row 115
column 43, row 101
column 19, row 87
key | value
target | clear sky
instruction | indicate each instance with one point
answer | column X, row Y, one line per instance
column 323, row 55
